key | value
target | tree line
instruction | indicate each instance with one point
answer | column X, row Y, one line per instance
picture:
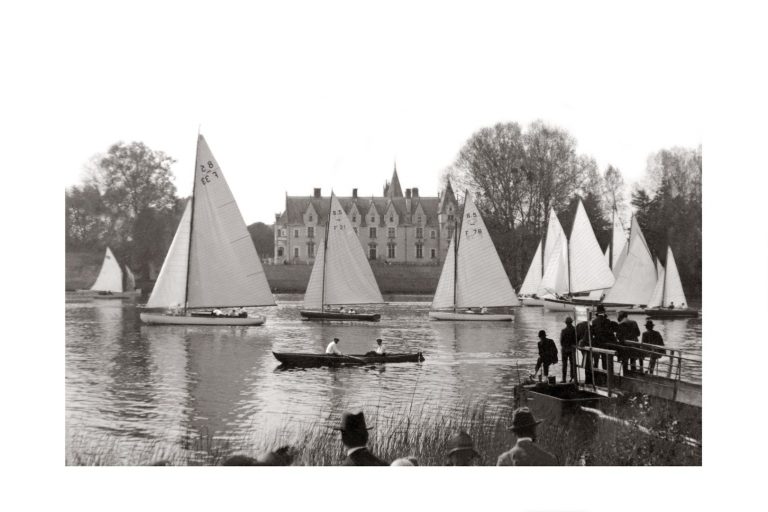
column 516, row 176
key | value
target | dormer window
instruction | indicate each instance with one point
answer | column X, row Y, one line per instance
column 418, row 219
column 310, row 217
column 354, row 218
column 373, row 219
column 391, row 219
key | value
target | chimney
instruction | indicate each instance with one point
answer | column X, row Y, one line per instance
column 354, row 193
column 415, row 192
column 317, row 193
column 407, row 193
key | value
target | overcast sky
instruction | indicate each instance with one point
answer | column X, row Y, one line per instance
column 295, row 96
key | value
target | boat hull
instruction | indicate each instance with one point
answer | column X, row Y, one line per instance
column 559, row 305
column 470, row 317
column 103, row 295
column 531, row 302
column 566, row 305
column 163, row 319
column 309, row 360
column 672, row 313
column 333, row 315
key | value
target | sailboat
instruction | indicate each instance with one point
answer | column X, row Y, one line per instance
column 613, row 253
column 109, row 283
column 341, row 275
column 531, row 290
column 473, row 277
column 211, row 263
column 530, row 287
column 635, row 274
column 668, row 299
column 579, row 267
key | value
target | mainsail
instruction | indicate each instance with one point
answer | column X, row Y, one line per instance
column 619, row 239
column 587, row 267
column 341, row 273
column 673, row 290
column 657, row 297
column 555, row 278
column 480, row 276
column 212, row 261
column 110, row 277
column 533, row 278
column 636, row 276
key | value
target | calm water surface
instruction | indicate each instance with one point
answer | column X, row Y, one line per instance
column 128, row 384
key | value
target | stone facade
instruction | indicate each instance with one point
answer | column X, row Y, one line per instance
column 396, row 227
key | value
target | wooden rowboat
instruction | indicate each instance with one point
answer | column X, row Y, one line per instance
column 672, row 313
column 336, row 315
column 308, row 359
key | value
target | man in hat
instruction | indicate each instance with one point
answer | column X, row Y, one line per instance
column 332, row 348
column 652, row 337
column 354, row 435
column 461, row 450
column 380, row 348
column 525, row 452
column 547, row 353
column 628, row 330
column 602, row 334
column 567, row 347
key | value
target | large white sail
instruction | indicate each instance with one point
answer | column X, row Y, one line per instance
column 532, row 280
column 110, row 277
column 444, row 294
column 673, row 290
column 480, row 276
column 341, row 274
column 657, row 297
column 588, row 270
column 224, row 267
column 555, row 278
column 636, row 277
column 171, row 286
column 619, row 239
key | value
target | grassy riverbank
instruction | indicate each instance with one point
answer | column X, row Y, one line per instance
column 421, row 434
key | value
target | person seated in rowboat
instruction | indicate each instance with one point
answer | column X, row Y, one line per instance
column 483, row 310
column 461, row 450
column 332, row 348
column 525, row 452
column 354, row 436
column 242, row 313
column 217, row 312
column 379, row 349
column 671, row 305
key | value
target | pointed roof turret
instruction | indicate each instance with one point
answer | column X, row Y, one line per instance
column 394, row 189
column 447, row 196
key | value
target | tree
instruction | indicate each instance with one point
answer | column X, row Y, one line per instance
column 86, row 220
column 263, row 237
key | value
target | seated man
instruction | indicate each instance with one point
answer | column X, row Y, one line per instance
column 217, row 312
column 332, row 348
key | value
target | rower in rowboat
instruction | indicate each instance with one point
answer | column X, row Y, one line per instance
column 332, row 348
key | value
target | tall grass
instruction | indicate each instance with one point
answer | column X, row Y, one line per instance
column 421, row 432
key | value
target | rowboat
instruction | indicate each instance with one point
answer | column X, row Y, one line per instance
column 308, row 359
column 211, row 262
column 341, row 274
column 668, row 295
column 473, row 277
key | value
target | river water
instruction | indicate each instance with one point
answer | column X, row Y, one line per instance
column 129, row 385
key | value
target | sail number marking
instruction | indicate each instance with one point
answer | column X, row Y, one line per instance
column 208, row 171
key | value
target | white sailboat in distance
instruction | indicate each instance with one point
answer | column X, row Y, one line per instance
column 668, row 298
column 341, row 275
column 109, row 283
column 473, row 278
column 212, row 263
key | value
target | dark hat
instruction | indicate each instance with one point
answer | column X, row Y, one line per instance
column 521, row 418
column 335, row 339
column 353, row 423
column 542, row 334
column 568, row 320
column 378, row 340
column 600, row 309
column 622, row 314
column 461, row 442
column 649, row 323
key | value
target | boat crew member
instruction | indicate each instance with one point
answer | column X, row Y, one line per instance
column 602, row 335
column 332, row 348
column 525, row 452
column 354, row 435
column 217, row 312
column 242, row 313
column 380, row 347
column 628, row 331
column 461, row 450
column 671, row 305
column 547, row 353
column 568, row 347
column 652, row 337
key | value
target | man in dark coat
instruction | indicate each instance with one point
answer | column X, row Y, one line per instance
column 547, row 353
column 567, row 348
column 602, row 334
column 525, row 452
column 628, row 331
column 354, row 435
column 652, row 337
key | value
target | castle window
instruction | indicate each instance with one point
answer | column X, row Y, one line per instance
column 418, row 219
column 373, row 219
column 432, row 253
column 390, row 250
column 295, row 233
column 419, row 232
column 391, row 219
column 354, row 218
column 279, row 252
column 432, row 234
column 310, row 217
column 372, row 233
column 371, row 252
column 295, row 252
column 450, row 218
column 391, row 232
column 419, row 251
column 311, row 250
column 310, row 233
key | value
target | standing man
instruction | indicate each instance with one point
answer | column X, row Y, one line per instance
column 332, row 348
column 547, row 353
column 652, row 337
column 628, row 331
column 354, row 435
column 567, row 347
column 525, row 452
column 602, row 334
column 461, row 450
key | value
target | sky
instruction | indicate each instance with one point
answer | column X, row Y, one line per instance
column 292, row 96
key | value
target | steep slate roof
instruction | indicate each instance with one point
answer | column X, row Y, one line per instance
column 295, row 206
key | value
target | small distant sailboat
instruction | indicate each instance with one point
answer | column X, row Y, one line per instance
column 530, row 287
column 578, row 267
column 532, row 293
column 212, row 262
column 341, row 275
column 668, row 299
column 109, row 283
column 473, row 277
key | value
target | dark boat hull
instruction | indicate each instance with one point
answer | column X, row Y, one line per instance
column 672, row 313
column 307, row 360
column 334, row 315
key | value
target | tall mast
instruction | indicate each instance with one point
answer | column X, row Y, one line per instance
column 664, row 283
column 610, row 245
column 457, row 235
column 568, row 249
column 325, row 252
column 191, row 223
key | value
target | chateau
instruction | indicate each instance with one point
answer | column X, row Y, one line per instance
column 391, row 228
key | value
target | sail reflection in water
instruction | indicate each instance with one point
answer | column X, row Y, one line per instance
column 138, row 393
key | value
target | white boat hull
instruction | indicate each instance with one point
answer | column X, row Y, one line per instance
column 163, row 319
column 114, row 295
column 560, row 305
column 470, row 317
column 529, row 301
column 557, row 305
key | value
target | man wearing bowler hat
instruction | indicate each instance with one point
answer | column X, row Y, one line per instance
column 652, row 337
column 461, row 450
column 525, row 452
column 354, row 435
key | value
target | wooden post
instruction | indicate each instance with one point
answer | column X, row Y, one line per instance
column 609, row 372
